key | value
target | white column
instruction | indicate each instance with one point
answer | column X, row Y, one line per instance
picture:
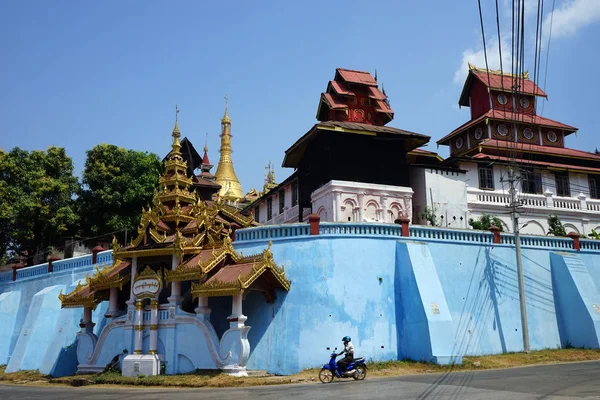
column 131, row 300
column 175, row 298
column 139, row 327
column 153, row 327
column 113, row 305
column 361, row 200
column 86, row 324
column 202, row 311
column 384, row 209
column 337, row 198
column 236, row 319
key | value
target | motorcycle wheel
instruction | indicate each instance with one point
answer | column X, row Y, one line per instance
column 325, row 376
column 361, row 373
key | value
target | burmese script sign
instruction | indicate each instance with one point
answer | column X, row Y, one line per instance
column 146, row 287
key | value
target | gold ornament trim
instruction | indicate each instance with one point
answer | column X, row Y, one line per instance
column 154, row 327
column 75, row 299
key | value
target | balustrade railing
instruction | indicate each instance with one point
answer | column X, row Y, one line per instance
column 40, row 269
column 534, row 200
column 593, row 205
column 6, row 276
column 567, row 203
column 272, row 232
column 462, row 235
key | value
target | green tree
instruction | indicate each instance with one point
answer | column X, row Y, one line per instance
column 116, row 184
column 37, row 207
column 484, row 222
column 555, row 227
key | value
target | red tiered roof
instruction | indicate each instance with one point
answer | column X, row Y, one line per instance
column 534, row 148
column 484, row 156
column 509, row 116
column 353, row 96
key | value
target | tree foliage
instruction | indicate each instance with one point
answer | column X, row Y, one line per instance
column 429, row 215
column 555, row 226
column 37, row 209
column 117, row 183
column 484, row 222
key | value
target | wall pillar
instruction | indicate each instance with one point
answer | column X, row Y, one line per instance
column 236, row 319
column 314, row 220
column 138, row 326
column 575, row 237
column 175, row 298
column 153, row 348
column 95, row 252
column 203, row 311
column 51, row 259
column 384, row 208
column 496, row 231
column 403, row 221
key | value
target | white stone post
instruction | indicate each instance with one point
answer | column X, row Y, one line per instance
column 131, row 300
column 337, row 198
column 582, row 201
column 139, row 327
column 549, row 200
column 236, row 319
column 87, row 326
column 175, row 298
column 384, row 209
column 153, row 326
column 113, row 304
column 202, row 311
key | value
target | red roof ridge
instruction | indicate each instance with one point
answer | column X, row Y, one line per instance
column 352, row 70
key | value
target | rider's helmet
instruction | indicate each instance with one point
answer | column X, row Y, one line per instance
column 346, row 339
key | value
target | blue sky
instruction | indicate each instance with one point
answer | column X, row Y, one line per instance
column 76, row 73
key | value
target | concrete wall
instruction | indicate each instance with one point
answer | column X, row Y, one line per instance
column 435, row 296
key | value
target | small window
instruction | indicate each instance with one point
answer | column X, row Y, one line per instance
column 502, row 99
column 531, row 181
column 269, row 208
column 486, row 177
column 257, row 213
column 294, row 193
column 562, row 184
column 281, row 200
column 594, row 181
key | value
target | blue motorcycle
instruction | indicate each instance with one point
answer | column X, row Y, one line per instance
column 357, row 369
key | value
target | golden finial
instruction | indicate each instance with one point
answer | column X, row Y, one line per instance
column 226, row 118
column 176, row 146
column 206, row 143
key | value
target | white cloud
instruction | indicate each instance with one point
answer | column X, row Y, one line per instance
column 571, row 16
column 477, row 57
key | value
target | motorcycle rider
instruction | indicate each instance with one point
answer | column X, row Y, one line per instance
column 349, row 357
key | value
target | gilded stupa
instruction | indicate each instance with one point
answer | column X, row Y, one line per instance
column 231, row 189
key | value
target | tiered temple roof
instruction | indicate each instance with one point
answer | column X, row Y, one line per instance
column 197, row 231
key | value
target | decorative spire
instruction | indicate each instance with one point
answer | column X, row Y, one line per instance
column 176, row 146
column 205, row 161
column 376, row 75
column 226, row 119
column 225, row 175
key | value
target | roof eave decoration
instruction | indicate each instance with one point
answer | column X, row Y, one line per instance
column 186, row 272
column 102, row 279
column 77, row 299
column 243, row 283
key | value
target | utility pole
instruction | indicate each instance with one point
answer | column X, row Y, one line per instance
column 514, row 206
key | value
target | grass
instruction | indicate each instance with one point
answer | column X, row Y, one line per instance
column 376, row 369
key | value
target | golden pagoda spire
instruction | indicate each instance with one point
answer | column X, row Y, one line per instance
column 176, row 146
column 231, row 189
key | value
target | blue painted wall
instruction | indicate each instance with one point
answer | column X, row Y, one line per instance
column 426, row 298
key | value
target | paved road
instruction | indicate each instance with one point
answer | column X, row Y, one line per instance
column 565, row 381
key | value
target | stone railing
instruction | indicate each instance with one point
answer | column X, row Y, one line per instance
column 419, row 232
column 546, row 200
column 57, row 266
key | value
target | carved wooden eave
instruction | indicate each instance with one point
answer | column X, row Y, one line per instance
column 196, row 271
column 217, row 287
column 80, row 297
column 105, row 278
